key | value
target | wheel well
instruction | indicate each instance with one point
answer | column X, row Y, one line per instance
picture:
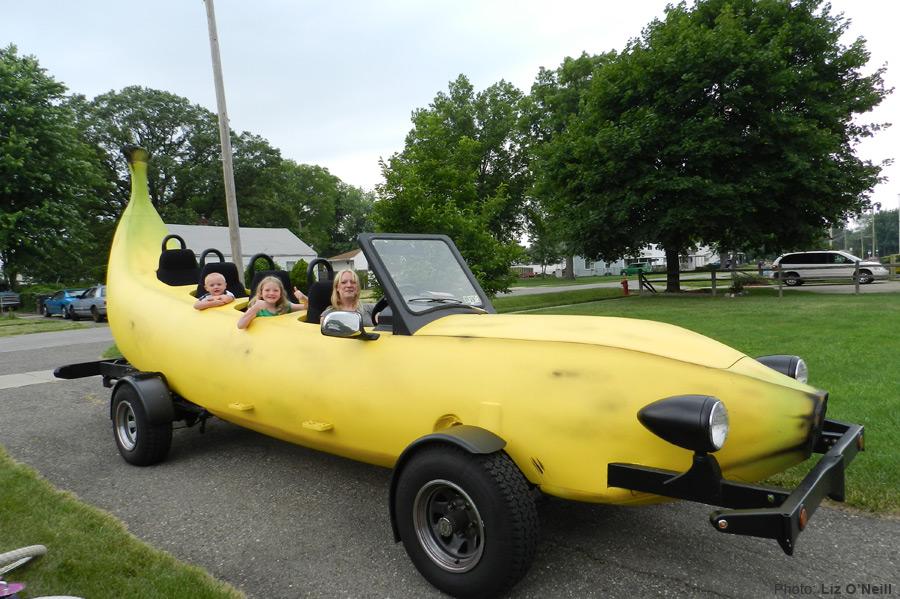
column 472, row 439
column 153, row 393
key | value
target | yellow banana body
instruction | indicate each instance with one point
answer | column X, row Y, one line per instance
column 563, row 391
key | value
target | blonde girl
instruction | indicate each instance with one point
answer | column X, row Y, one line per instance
column 271, row 300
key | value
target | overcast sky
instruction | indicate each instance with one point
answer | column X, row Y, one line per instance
column 334, row 83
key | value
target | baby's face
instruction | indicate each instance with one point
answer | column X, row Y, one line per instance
column 215, row 285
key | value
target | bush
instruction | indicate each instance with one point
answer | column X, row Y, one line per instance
column 261, row 264
column 298, row 274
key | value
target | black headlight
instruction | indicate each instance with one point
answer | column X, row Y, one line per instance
column 695, row 422
column 792, row 366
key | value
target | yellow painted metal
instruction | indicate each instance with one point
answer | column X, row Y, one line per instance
column 563, row 391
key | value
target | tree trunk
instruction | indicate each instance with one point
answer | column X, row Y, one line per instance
column 570, row 267
column 673, row 271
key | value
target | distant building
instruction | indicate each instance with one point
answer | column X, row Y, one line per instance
column 284, row 247
column 354, row 260
column 655, row 255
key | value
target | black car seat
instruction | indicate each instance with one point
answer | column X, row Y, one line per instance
column 318, row 291
column 177, row 266
column 226, row 269
column 258, row 275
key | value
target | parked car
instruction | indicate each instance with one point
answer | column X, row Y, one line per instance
column 91, row 304
column 9, row 300
column 797, row 267
column 637, row 267
column 59, row 302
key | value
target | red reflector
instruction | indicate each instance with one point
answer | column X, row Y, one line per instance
column 803, row 519
column 860, row 443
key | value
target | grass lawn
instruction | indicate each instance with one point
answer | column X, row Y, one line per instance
column 16, row 325
column 850, row 343
column 550, row 281
column 89, row 553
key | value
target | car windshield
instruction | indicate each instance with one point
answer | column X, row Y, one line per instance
column 427, row 273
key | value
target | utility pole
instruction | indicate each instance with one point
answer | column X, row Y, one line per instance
column 234, row 226
column 875, row 208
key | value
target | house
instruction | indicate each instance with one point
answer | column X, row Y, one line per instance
column 654, row 254
column 285, row 248
column 354, row 260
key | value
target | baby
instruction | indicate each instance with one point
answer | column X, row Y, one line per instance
column 216, row 292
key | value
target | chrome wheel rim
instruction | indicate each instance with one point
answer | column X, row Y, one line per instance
column 126, row 426
column 448, row 526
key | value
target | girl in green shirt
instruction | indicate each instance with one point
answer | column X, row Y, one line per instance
column 271, row 300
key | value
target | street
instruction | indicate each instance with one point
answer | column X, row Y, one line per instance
column 277, row 520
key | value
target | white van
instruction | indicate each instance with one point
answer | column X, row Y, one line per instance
column 799, row 266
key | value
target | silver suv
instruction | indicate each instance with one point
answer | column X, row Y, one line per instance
column 800, row 266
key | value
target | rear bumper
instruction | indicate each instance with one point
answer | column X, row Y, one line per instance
column 755, row 510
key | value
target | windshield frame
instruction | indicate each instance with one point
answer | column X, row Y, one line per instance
column 405, row 320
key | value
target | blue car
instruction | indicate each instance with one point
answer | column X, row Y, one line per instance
column 59, row 302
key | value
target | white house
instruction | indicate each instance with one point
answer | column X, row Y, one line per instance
column 354, row 260
column 285, row 248
column 654, row 254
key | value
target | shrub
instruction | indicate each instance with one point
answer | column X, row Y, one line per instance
column 298, row 274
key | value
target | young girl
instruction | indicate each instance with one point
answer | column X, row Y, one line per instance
column 271, row 300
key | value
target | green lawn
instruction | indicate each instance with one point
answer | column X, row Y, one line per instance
column 89, row 553
column 14, row 325
column 850, row 343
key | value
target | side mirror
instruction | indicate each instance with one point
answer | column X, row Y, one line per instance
column 346, row 325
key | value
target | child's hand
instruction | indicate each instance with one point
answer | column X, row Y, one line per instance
column 300, row 297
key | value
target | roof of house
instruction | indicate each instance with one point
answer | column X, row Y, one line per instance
column 254, row 240
column 347, row 255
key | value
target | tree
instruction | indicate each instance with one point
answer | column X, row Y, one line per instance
column 463, row 173
column 728, row 123
column 47, row 175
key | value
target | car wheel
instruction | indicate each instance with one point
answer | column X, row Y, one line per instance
column 95, row 314
column 865, row 277
column 445, row 496
column 792, row 279
column 139, row 442
column 70, row 314
column 45, row 311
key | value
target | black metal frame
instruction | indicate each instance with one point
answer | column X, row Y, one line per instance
column 756, row 510
column 113, row 370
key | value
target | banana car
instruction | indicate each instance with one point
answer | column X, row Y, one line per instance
column 472, row 410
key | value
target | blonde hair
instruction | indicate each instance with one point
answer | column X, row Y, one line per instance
column 283, row 304
column 335, row 296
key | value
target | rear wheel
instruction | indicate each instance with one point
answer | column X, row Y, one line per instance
column 45, row 311
column 140, row 442
column 792, row 279
column 468, row 522
column 70, row 313
column 865, row 277
column 95, row 314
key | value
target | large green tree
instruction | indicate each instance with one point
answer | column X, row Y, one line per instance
column 463, row 172
column 729, row 122
column 48, row 176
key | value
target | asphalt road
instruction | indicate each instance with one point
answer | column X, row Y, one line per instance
column 281, row 521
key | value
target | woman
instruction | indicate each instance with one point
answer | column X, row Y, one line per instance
column 345, row 296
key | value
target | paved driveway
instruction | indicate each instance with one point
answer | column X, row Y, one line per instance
column 281, row 521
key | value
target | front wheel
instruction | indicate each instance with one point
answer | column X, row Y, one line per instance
column 95, row 314
column 468, row 522
column 70, row 314
column 865, row 277
column 140, row 442
column 45, row 311
column 792, row 279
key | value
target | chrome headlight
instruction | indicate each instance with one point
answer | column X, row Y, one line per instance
column 695, row 422
column 792, row 366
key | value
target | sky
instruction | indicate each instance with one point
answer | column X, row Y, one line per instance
column 335, row 83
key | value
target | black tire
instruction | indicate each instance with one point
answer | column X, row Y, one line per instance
column 865, row 277
column 71, row 314
column 139, row 442
column 792, row 279
column 95, row 314
column 44, row 311
column 444, row 498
